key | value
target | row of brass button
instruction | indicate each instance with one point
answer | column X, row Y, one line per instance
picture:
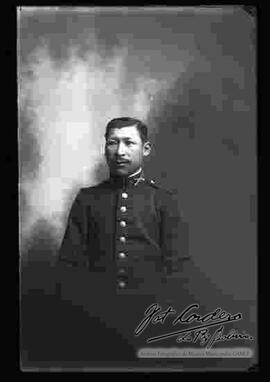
column 122, row 284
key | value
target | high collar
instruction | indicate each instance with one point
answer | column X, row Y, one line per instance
column 125, row 181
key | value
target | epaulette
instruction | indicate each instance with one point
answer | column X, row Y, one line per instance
column 152, row 183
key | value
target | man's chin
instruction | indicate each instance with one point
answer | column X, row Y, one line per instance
column 120, row 172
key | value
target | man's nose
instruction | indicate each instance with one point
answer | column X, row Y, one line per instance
column 121, row 148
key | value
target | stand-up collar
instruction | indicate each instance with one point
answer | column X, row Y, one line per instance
column 124, row 181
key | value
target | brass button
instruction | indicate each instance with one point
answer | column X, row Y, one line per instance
column 123, row 209
column 124, row 195
column 121, row 271
column 123, row 223
column 122, row 255
column 122, row 239
column 122, row 284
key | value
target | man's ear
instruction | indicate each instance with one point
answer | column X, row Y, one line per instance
column 146, row 148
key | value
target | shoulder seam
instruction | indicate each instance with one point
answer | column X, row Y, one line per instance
column 158, row 187
column 94, row 186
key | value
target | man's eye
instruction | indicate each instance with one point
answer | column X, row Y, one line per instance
column 109, row 143
column 129, row 143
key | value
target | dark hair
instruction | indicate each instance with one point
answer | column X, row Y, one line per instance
column 118, row 123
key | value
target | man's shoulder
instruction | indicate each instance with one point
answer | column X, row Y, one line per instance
column 96, row 187
column 164, row 194
column 166, row 197
column 159, row 187
column 88, row 191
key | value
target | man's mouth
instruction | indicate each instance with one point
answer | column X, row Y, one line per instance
column 121, row 162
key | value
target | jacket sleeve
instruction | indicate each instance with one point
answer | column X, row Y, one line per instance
column 174, row 236
column 72, row 248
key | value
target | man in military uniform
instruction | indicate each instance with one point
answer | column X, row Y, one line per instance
column 126, row 233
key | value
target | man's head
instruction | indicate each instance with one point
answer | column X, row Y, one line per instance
column 126, row 145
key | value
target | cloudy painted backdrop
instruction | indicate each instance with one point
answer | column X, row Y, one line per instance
column 190, row 74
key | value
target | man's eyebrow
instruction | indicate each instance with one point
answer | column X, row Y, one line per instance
column 124, row 138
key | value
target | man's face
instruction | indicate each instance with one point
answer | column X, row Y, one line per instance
column 125, row 150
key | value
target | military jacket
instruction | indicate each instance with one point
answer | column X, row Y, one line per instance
column 129, row 234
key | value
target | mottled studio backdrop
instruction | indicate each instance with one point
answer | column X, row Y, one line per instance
column 190, row 74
